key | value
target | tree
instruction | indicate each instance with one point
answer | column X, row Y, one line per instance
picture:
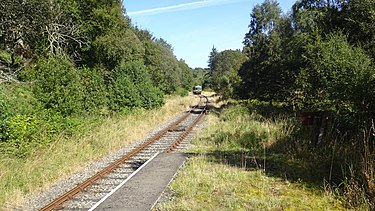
column 338, row 76
column 22, row 24
column 163, row 66
column 358, row 21
column 224, row 74
column 266, row 75
column 187, row 75
column 113, row 48
column 64, row 34
column 211, row 56
column 264, row 19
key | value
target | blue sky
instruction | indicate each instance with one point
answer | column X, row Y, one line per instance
column 192, row 27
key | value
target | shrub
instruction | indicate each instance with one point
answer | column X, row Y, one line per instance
column 338, row 76
column 58, row 85
column 15, row 99
column 22, row 134
column 95, row 97
column 4, row 115
column 131, row 86
column 182, row 92
column 123, row 93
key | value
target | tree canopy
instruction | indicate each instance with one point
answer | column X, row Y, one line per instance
column 75, row 58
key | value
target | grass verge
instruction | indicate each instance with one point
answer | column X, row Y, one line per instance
column 231, row 169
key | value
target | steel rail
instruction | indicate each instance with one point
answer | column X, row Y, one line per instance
column 79, row 188
column 178, row 141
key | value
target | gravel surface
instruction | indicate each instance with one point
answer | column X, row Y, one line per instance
column 37, row 202
column 61, row 187
column 168, row 193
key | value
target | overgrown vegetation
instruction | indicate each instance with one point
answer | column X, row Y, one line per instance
column 62, row 62
column 318, row 58
column 67, row 67
column 23, row 178
column 237, row 165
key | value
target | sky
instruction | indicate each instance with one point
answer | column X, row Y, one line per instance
column 193, row 27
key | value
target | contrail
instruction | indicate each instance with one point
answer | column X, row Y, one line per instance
column 180, row 7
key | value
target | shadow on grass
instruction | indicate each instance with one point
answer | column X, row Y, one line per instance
column 275, row 165
column 278, row 161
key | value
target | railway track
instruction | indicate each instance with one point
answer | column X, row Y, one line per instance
column 85, row 195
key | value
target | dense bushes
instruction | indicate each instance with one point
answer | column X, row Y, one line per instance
column 95, row 92
column 62, row 95
column 337, row 76
column 131, row 86
column 58, row 85
column 25, row 125
column 112, row 49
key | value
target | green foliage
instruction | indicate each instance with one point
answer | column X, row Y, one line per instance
column 360, row 24
column 95, row 94
column 58, row 85
column 22, row 23
column 264, row 19
column 22, row 134
column 187, row 75
column 25, row 125
column 4, row 114
column 131, row 87
column 112, row 49
column 224, row 71
column 73, row 60
column 163, row 66
column 338, row 76
column 319, row 57
column 123, row 93
column 6, row 57
column 212, row 55
column 14, row 100
column 270, row 71
column 182, row 92
column 202, row 77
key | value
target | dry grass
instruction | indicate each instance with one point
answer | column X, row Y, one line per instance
column 20, row 179
column 204, row 184
column 221, row 174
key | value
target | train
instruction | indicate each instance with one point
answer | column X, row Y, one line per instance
column 197, row 90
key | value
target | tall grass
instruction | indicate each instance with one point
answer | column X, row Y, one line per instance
column 270, row 140
column 343, row 158
column 232, row 168
column 22, row 178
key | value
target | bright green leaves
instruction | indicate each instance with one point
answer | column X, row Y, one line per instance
column 114, row 48
column 224, row 67
column 337, row 74
column 131, row 87
column 58, row 86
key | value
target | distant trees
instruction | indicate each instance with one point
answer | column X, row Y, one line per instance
column 213, row 53
column 224, row 71
column 307, row 57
